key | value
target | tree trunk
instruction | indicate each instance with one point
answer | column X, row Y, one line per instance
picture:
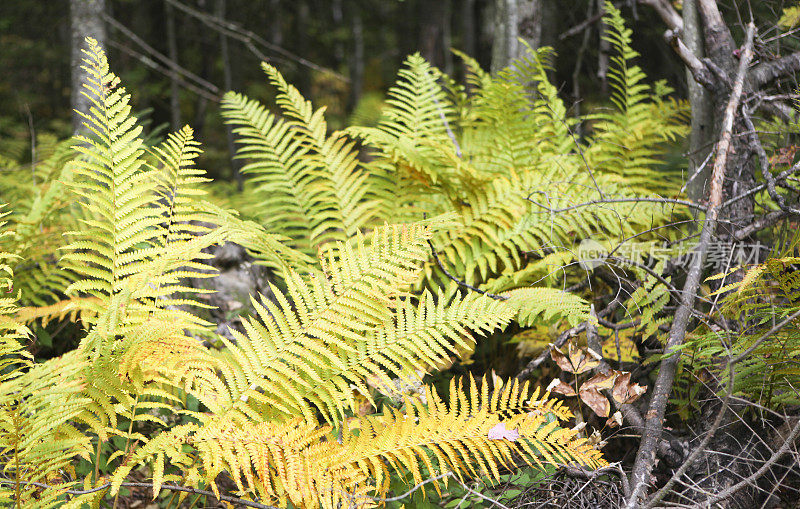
column 447, row 36
column 515, row 19
column 430, row 33
column 505, row 46
column 86, row 19
column 702, row 123
column 604, row 49
column 740, row 177
column 205, row 69
column 227, row 78
column 172, row 48
column 357, row 58
column 468, row 32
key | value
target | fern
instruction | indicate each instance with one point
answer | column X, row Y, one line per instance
column 271, row 403
column 311, row 187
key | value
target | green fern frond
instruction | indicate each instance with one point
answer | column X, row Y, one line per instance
column 311, row 184
column 354, row 320
column 548, row 304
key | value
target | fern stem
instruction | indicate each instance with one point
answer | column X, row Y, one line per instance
column 17, row 481
column 96, row 473
column 128, row 440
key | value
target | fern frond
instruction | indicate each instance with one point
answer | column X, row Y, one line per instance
column 298, row 462
column 549, row 304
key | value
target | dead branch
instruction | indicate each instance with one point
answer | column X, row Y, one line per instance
column 667, row 13
column 766, row 72
column 654, row 425
column 248, row 38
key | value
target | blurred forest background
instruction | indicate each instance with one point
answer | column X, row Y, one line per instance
column 177, row 57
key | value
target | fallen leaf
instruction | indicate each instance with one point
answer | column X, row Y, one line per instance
column 576, row 360
column 596, row 401
column 560, row 387
column 626, row 392
column 602, row 381
column 499, row 432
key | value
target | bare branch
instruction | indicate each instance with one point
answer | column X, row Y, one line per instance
column 748, row 481
column 769, row 71
column 635, row 199
column 561, row 340
column 458, row 281
column 764, row 160
column 249, row 37
column 654, row 425
column 667, row 12
column 149, row 62
column 171, row 64
column 759, row 224
column 700, row 72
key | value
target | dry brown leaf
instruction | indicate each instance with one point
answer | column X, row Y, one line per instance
column 626, row 392
column 602, row 381
column 615, row 420
column 576, row 360
column 596, row 401
column 560, row 387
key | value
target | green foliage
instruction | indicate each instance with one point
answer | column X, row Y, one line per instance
column 767, row 294
column 273, row 408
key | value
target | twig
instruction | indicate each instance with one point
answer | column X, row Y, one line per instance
column 583, row 25
column 635, row 199
column 730, row 365
column 667, row 13
column 782, row 176
column 654, row 426
column 582, row 473
column 722, row 495
column 561, row 340
column 759, row 224
column 700, row 71
column 171, row 64
column 437, row 478
column 247, row 37
column 170, row 487
column 764, row 160
column 461, row 283
column 144, row 59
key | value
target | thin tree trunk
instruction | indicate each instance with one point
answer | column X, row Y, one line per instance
column 468, row 34
column 357, row 60
column 505, row 46
column 275, row 28
column 430, row 34
column 86, row 19
column 530, row 22
column 447, row 36
column 227, row 79
column 205, row 68
column 172, row 48
column 515, row 19
column 702, row 123
column 604, row 49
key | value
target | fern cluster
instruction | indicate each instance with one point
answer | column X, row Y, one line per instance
column 500, row 154
column 276, row 410
column 767, row 294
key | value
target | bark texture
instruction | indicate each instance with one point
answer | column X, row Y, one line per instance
column 86, row 20
column 702, row 122
column 521, row 19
